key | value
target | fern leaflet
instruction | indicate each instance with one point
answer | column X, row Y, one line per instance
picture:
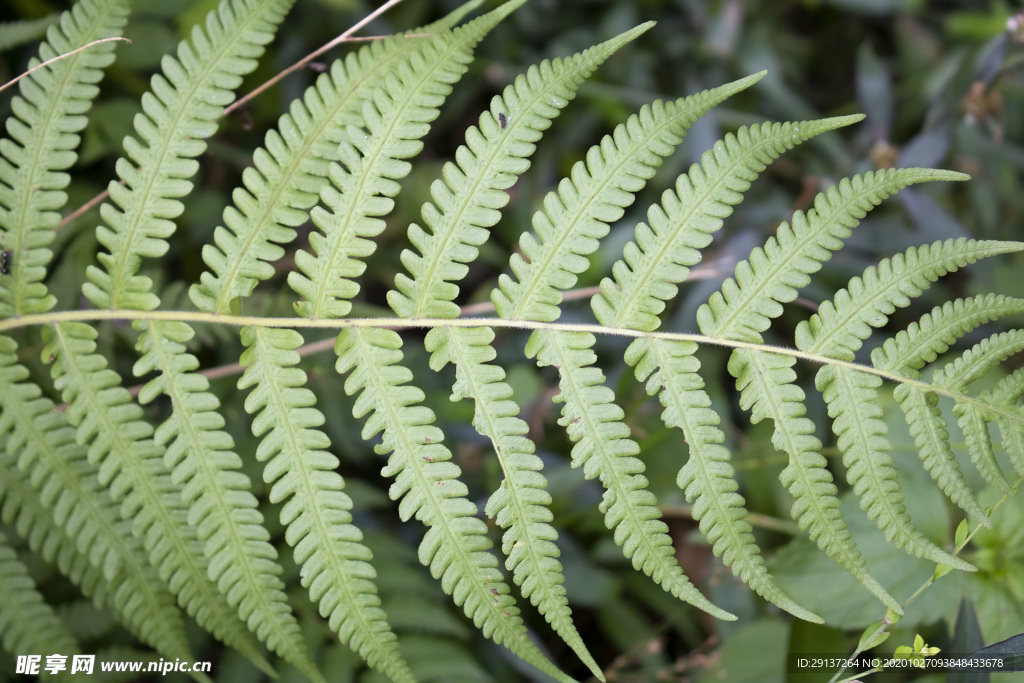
column 467, row 201
column 27, row 623
column 396, row 119
column 767, row 389
column 708, row 479
column 520, row 505
column 335, row 563
column 132, row 466
column 221, row 508
column 456, row 543
column 292, row 167
column 594, row 195
column 67, row 484
column 178, row 114
column 43, row 136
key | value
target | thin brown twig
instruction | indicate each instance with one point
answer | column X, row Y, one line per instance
column 314, row 54
column 84, row 208
column 59, row 57
column 361, row 39
column 344, row 37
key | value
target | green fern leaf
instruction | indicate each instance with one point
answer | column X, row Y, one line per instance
column 683, row 223
column 66, row 484
column 27, row 623
column 1007, row 393
column 468, row 200
column 973, row 421
column 931, row 438
column 33, row 521
column 769, row 279
column 221, row 507
column 840, row 326
column 183, row 109
column 178, row 114
column 592, row 197
column 47, row 117
column 976, row 361
column 767, row 389
column 455, row 546
column 923, row 341
column 605, row 450
column 852, row 400
column 396, row 119
column 120, row 445
column 972, row 417
column 575, row 217
column 335, row 563
column 520, row 505
column 708, row 478
column 292, row 167
column 745, row 305
column 648, row 276
column 748, row 301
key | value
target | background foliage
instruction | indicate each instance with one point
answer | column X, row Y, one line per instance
column 942, row 86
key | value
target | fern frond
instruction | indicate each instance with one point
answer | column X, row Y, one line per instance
column 1006, row 393
column 605, row 450
column 66, row 484
column 179, row 113
column 935, row 332
column 27, row 623
column 772, row 275
column 396, row 117
column 575, row 217
column 221, row 507
column 852, row 400
column 975, row 362
column 594, row 195
column 767, row 389
column 931, row 438
column 335, row 563
column 683, row 223
column 653, row 265
column 744, row 307
column 708, row 479
column 455, row 546
column 520, row 505
column 921, row 343
column 23, row 511
column 33, row 521
column 972, row 417
column 47, row 117
column 746, row 303
column 291, row 168
column 840, row 326
column 467, row 202
column 131, row 466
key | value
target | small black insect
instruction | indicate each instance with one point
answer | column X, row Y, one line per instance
column 502, row 121
column 5, row 257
